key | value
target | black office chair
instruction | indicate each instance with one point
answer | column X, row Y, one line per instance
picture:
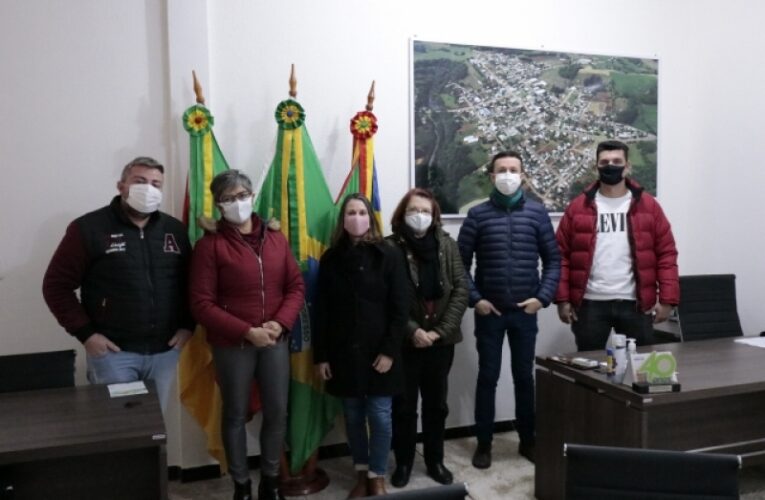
column 39, row 370
column 457, row 491
column 608, row 473
column 707, row 307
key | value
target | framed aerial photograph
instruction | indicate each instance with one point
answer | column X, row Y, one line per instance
column 470, row 102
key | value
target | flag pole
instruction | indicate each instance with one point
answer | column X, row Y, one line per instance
column 198, row 89
column 293, row 83
column 311, row 478
column 199, row 392
column 371, row 97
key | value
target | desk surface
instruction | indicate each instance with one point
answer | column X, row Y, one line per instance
column 73, row 421
column 720, row 409
column 706, row 368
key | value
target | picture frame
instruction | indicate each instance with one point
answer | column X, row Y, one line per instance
column 469, row 102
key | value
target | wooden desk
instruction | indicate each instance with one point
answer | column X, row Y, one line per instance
column 721, row 408
column 667, row 331
column 78, row 443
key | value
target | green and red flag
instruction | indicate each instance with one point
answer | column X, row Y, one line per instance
column 363, row 175
column 196, row 374
column 296, row 193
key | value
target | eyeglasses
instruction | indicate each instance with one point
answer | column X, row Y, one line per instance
column 243, row 196
column 414, row 211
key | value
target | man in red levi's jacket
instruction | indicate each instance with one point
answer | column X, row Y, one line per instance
column 618, row 257
column 246, row 289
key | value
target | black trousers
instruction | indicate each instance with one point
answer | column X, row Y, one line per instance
column 595, row 318
column 427, row 374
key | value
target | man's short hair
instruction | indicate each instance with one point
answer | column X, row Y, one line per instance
column 141, row 161
column 505, row 154
column 613, row 146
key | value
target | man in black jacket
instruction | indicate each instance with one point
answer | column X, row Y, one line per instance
column 130, row 262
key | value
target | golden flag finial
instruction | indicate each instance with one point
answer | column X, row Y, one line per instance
column 198, row 89
column 293, row 83
column 371, row 97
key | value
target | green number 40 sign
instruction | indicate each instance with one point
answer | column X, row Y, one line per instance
column 659, row 368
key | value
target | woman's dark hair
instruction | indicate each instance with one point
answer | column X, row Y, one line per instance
column 397, row 220
column 340, row 235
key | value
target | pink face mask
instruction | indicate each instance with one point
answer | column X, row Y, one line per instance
column 356, row 225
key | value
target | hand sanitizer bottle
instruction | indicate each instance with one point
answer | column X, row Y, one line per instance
column 630, row 376
column 631, row 346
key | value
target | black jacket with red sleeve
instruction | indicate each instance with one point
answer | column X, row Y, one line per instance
column 132, row 281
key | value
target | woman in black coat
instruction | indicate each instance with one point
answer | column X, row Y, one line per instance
column 361, row 314
column 440, row 297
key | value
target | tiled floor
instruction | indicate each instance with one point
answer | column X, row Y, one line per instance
column 511, row 477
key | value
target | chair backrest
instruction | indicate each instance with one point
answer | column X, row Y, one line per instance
column 39, row 370
column 603, row 472
column 707, row 307
column 456, row 491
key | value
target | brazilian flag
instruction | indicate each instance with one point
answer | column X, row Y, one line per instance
column 295, row 193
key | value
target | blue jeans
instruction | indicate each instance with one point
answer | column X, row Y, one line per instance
column 369, row 448
column 490, row 330
column 124, row 366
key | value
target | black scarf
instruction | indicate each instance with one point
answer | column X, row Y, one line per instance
column 425, row 250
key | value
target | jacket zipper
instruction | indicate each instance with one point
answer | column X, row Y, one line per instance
column 262, row 278
column 633, row 253
column 510, row 250
column 592, row 248
column 147, row 270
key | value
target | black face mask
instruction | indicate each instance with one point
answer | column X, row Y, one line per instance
column 611, row 174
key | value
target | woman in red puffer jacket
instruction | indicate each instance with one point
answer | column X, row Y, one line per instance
column 247, row 291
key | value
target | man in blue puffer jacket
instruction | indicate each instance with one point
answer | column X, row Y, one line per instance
column 508, row 235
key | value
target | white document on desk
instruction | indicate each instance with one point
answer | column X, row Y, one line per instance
column 127, row 389
column 753, row 341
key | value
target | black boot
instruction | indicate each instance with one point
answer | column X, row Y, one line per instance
column 482, row 456
column 526, row 449
column 439, row 473
column 401, row 475
column 243, row 491
column 268, row 489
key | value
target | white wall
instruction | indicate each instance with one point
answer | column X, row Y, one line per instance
column 78, row 101
column 88, row 85
column 84, row 90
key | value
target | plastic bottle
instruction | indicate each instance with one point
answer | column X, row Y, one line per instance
column 631, row 346
column 629, row 378
column 610, row 354
column 620, row 357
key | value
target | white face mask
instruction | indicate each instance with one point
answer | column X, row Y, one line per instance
column 419, row 222
column 237, row 211
column 507, row 183
column 144, row 198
